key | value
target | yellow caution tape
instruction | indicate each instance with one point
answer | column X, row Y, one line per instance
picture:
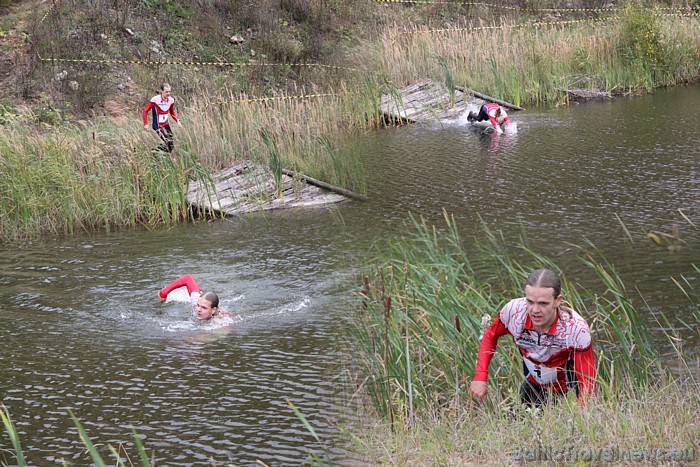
column 509, row 7
column 481, row 28
column 185, row 63
column 48, row 11
column 305, row 96
column 7, row 116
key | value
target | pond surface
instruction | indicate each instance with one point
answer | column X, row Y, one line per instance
column 82, row 329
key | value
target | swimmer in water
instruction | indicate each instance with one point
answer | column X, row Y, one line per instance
column 492, row 112
column 204, row 306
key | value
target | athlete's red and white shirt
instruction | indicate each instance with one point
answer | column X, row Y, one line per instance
column 194, row 292
column 161, row 109
column 549, row 358
column 491, row 108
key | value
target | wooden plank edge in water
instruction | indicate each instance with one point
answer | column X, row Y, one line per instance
column 489, row 98
column 233, row 196
column 324, row 185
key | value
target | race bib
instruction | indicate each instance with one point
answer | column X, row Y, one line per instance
column 162, row 118
column 542, row 374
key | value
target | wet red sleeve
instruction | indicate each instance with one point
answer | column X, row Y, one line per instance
column 488, row 347
column 584, row 366
column 148, row 107
column 187, row 281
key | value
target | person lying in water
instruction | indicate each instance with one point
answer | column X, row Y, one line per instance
column 204, row 306
column 491, row 112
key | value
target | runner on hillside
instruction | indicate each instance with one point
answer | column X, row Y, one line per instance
column 162, row 106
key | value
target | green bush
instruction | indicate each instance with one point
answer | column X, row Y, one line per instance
column 641, row 36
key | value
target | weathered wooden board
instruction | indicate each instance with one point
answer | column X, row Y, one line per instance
column 429, row 101
column 425, row 101
column 247, row 187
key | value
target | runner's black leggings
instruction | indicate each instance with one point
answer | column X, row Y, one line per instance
column 166, row 134
column 483, row 114
column 536, row 396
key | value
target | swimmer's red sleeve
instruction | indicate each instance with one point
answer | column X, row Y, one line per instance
column 184, row 281
column 488, row 347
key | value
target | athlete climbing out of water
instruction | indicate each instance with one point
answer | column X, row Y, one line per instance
column 204, row 306
column 491, row 111
column 162, row 106
column 554, row 343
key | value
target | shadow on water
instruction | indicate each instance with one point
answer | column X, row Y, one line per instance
column 82, row 328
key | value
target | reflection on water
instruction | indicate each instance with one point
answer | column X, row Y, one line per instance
column 82, row 329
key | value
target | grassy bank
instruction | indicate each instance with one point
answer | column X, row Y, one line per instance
column 532, row 62
column 102, row 173
column 658, row 427
column 417, row 335
column 61, row 174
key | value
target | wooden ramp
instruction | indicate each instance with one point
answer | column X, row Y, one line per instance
column 246, row 187
column 430, row 101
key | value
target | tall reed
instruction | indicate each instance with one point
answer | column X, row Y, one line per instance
column 275, row 161
column 222, row 132
column 92, row 176
column 428, row 357
column 11, row 431
column 617, row 430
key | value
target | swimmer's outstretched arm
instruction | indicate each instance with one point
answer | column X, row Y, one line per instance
column 187, row 281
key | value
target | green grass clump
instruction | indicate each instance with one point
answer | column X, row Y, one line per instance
column 85, row 178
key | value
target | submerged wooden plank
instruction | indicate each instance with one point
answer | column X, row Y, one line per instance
column 423, row 101
column 430, row 101
column 505, row 104
column 246, row 187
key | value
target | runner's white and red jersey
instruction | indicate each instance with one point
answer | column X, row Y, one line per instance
column 161, row 109
column 560, row 358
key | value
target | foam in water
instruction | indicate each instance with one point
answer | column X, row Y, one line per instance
column 512, row 128
column 179, row 295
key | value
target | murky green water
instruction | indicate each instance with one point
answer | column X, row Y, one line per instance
column 81, row 327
